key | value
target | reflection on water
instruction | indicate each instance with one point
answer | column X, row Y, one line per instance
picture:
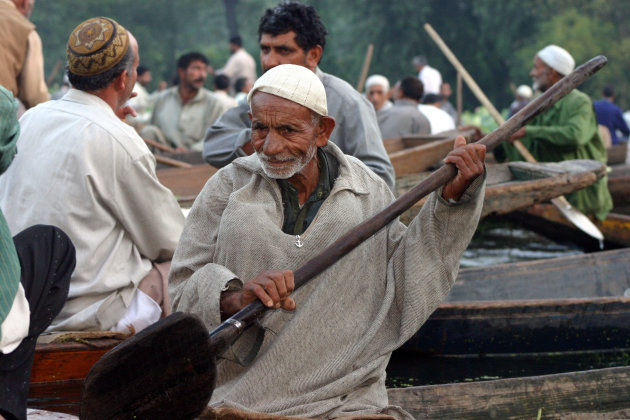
column 499, row 242
column 411, row 369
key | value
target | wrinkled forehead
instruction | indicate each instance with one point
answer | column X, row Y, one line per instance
column 265, row 105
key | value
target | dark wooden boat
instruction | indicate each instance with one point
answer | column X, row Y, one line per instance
column 519, row 185
column 592, row 394
column 617, row 153
column 567, row 304
column 619, row 187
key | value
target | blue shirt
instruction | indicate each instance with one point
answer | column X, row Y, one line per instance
column 611, row 116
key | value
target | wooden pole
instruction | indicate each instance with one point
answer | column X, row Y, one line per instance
column 460, row 102
column 365, row 68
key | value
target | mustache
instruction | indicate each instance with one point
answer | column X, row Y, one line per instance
column 279, row 158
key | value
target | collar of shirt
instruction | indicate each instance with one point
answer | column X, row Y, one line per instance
column 296, row 218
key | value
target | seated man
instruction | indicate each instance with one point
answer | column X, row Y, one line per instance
column 439, row 119
column 280, row 207
column 568, row 130
column 182, row 113
column 35, row 269
column 377, row 92
column 293, row 33
column 81, row 168
column 404, row 118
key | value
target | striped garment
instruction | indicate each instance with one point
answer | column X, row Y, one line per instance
column 9, row 263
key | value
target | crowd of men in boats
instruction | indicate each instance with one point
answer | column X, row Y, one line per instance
column 92, row 241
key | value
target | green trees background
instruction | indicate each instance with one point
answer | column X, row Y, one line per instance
column 495, row 40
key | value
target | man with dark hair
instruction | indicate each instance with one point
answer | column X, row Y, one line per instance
column 240, row 63
column 183, row 112
column 439, row 119
column 22, row 69
column 221, row 87
column 404, row 118
column 83, row 169
column 292, row 33
column 242, row 87
column 610, row 115
column 142, row 103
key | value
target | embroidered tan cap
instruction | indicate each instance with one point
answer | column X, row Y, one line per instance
column 295, row 83
column 95, row 46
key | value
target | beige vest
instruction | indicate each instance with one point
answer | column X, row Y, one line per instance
column 14, row 31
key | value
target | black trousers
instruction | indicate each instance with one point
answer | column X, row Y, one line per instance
column 47, row 259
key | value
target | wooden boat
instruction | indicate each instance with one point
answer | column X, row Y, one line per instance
column 518, row 185
column 186, row 183
column 619, row 187
column 598, row 393
column 566, row 304
column 593, row 394
column 413, row 154
column 617, row 153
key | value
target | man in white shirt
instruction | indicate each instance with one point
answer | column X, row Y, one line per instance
column 439, row 119
column 240, row 63
column 430, row 77
column 81, row 168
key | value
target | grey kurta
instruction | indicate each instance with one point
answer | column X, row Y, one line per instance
column 403, row 119
column 328, row 357
column 356, row 131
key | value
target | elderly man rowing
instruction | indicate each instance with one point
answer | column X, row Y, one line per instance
column 323, row 353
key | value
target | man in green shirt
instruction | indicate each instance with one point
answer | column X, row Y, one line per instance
column 35, row 269
column 568, row 130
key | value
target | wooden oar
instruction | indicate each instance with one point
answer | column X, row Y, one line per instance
column 365, row 68
column 161, row 367
column 572, row 214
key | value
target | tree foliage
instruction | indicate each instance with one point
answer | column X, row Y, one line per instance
column 495, row 41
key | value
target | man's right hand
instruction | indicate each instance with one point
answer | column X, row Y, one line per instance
column 272, row 288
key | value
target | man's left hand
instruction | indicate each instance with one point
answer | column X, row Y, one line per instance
column 468, row 158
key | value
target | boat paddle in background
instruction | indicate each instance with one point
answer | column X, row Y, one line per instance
column 572, row 214
column 168, row 370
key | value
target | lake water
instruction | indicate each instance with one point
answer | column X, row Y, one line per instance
column 499, row 241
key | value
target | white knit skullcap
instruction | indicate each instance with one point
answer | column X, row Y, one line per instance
column 557, row 58
column 524, row 91
column 295, row 83
column 377, row 79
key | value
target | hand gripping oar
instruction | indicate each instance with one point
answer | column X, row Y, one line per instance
column 572, row 214
column 168, row 370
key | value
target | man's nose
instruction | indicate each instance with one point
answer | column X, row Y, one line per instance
column 274, row 143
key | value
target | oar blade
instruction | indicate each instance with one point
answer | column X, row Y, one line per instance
column 577, row 218
column 166, row 371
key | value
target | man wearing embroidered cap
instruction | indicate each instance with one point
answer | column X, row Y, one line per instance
column 81, row 168
column 567, row 130
column 323, row 353
column 293, row 33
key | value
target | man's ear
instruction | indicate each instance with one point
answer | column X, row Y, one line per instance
column 324, row 130
column 313, row 56
column 121, row 81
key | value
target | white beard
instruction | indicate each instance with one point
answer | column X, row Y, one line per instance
column 292, row 166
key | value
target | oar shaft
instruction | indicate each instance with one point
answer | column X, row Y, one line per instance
column 225, row 334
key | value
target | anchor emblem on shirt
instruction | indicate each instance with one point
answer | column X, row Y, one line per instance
column 298, row 241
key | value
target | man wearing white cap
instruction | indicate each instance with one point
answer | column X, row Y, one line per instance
column 377, row 92
column 567, row 130
column 323, row 353
column 293, row 33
